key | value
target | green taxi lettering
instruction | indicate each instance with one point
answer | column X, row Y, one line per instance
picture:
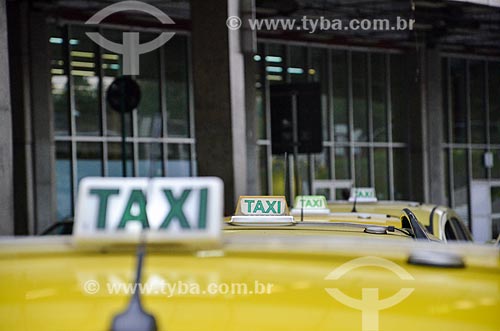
column 202, row 214
column 136, row 198
column 269, row 207
column 312, row 203
column 103, row 196
column 176, row 211
column 364, row 194
column 249, row 203
column 259, row 206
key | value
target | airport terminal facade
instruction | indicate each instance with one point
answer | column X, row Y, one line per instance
column 416, row 121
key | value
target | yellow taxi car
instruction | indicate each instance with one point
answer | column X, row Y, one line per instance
column 443, row 222
column 256, row 214
column 314, row 208
column 154, row 254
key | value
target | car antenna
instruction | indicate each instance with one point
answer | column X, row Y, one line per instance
column 355, row 200
column 301, row 196
column 287, row 182
column 134, row 318
column 302, row 209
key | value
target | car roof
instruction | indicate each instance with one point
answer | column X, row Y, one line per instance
column 350, row 217
column 312, row 228
column 333, row 223
column 246, row 239
column 393, row 208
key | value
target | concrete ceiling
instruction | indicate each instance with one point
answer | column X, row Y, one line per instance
column 458, row 26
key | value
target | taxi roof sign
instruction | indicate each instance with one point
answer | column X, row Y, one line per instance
column 310, row 204
column 363, row 194
column 262, row 210
column 119, row 210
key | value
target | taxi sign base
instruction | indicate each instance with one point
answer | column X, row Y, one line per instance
column 262, row 220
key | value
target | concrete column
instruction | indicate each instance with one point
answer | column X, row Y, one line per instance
column 42, row 122
column 6, row 159
column 219, row 97
column 19, row 58
column 249, row 48
column 433, row 111
column 32, row 120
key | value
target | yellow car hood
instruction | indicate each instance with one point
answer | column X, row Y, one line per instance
column 45, row 285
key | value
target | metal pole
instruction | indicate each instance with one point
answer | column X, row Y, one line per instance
column 124, row 147
column 124, row 131
column 287, row 181
column 295, row 123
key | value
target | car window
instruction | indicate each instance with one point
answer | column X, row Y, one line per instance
column 61, row 228
column 459, row 229
column 448, row 231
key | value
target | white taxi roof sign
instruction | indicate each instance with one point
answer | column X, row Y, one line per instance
column 262, row 210
column 363, row 194
column 128, row 210
column 310, row 204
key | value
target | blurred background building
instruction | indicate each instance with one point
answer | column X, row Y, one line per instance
column 413, row 113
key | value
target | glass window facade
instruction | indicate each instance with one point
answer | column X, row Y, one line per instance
column 363, row 113
column 159, row 133
column 471, row 108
